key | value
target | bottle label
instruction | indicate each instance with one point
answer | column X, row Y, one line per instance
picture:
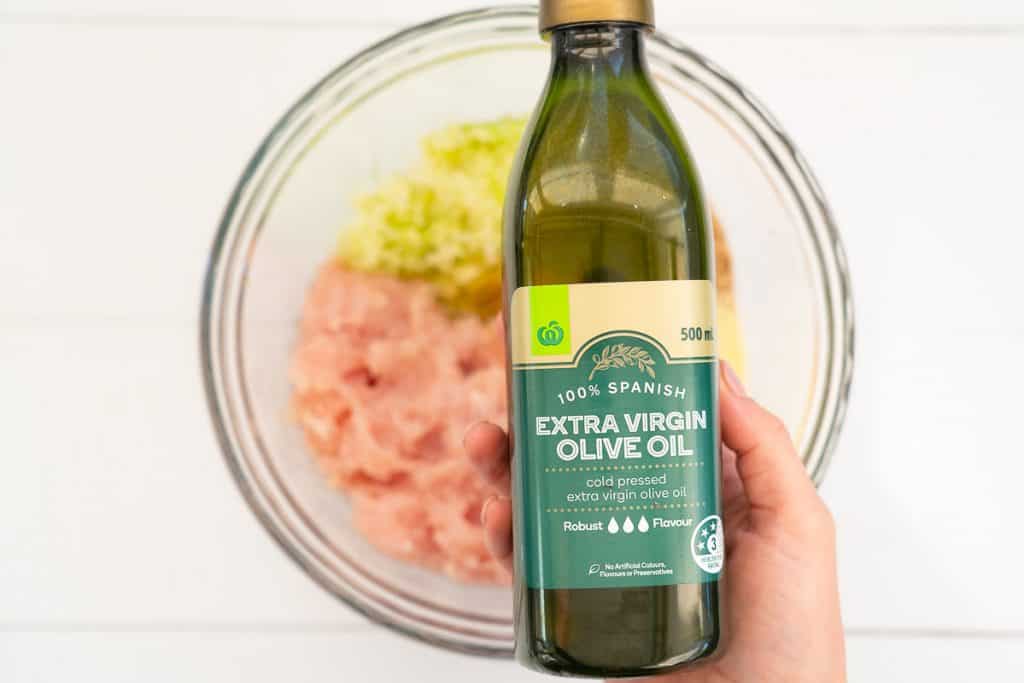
column 615, row 433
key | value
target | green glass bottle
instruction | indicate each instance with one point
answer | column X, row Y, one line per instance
column 613, row 371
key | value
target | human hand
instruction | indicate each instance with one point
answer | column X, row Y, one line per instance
column 781, row 593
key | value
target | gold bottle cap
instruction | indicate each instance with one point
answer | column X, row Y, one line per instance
column 560, row 12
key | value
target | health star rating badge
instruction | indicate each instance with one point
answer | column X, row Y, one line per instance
column 707, row 545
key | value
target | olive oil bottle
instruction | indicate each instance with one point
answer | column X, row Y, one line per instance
column 613, row 371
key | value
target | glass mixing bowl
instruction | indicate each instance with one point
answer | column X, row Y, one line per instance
column 362, row 122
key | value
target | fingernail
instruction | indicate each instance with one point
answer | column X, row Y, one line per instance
column 732, row 380
column 483, row 510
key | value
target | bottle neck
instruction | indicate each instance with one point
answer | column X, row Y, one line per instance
column 603, row 51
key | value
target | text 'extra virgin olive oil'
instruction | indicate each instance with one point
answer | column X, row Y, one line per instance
column 613, row 370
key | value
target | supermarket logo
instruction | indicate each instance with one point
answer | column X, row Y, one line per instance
column 550, row 320
column 551, row 334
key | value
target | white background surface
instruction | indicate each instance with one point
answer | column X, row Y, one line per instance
column 127, row 555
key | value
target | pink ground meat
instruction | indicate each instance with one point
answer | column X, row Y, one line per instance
column 385, row 385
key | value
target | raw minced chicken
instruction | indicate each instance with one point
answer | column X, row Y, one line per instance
column 385, row 384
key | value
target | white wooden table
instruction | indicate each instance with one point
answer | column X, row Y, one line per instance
column 126, row 553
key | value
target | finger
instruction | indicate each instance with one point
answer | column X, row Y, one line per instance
column 732, row 485
column 496, row 517
column 734, row 499
column 486, row 446
column 773, row 476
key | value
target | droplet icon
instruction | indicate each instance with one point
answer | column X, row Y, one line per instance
column 627, row 526
column 643, row 526
column 613, row 526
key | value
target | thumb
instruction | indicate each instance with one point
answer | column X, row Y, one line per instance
column 773, row 476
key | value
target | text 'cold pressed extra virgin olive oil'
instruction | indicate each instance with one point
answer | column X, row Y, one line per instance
column 613, row 371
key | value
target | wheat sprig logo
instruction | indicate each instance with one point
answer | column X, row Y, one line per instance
column 621, row 356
